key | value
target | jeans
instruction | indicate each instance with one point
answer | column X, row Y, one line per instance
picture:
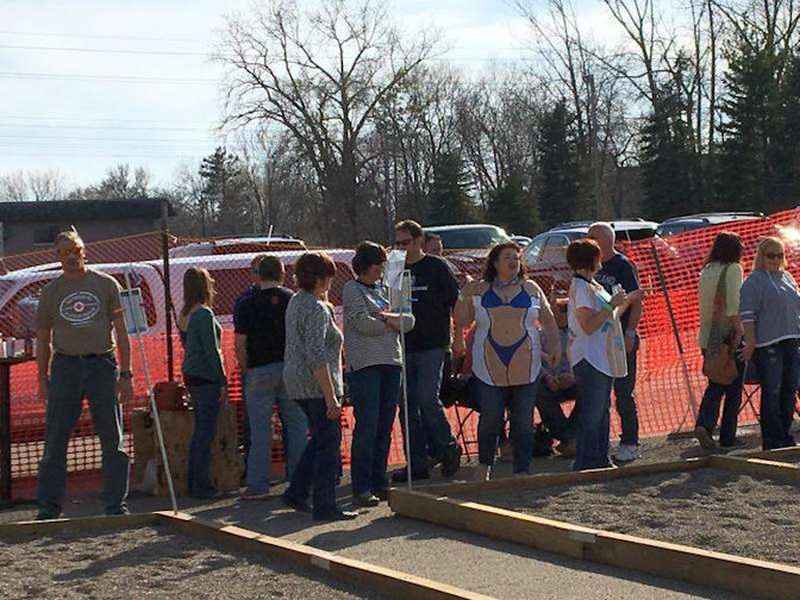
column 264, row 389
column 319, row 464
column 72, row 378
column 491, row 422
column 625, row 397
column 205, row 401
column 375, row 393
column 548, row 403
column 778, row 367
column 594, row 393
column 424, row 379
column 709, row 408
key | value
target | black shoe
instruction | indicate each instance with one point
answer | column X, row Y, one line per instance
column 366, row 500
column 401, row 476
column 122, row 509
column 48, row 515
column 451, row 462
column 336, row 515
column 382, row 495
column 298, row 505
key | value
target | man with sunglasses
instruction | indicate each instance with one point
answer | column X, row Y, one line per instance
column 76, row 315
column 433, row 295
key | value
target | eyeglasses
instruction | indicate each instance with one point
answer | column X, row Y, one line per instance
column 66, row 252
column 404, row 243
column 773, row 255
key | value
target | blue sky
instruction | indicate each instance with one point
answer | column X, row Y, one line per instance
column 91, row 83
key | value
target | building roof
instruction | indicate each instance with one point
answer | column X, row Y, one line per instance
column 82, row 210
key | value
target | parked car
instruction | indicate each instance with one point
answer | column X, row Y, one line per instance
column 546, row 256
column 468, row 237
column 521, row 240
column 237, row 246
column 19, row 290
column 678, row 225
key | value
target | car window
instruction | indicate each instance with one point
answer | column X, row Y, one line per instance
column 556, row 241
column 453, row 239
column 534, row 249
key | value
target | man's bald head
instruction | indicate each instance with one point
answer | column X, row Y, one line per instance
column 602, row 233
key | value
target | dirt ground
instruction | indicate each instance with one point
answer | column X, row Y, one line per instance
column 152, row 563
column 708, row 508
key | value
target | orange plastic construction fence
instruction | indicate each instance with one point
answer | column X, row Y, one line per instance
column 666, row 380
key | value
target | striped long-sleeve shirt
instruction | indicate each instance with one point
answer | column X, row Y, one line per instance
column 367, row 339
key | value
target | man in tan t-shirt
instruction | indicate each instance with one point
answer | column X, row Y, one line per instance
column 77, row 313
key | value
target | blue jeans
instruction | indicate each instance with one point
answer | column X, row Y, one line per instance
column 72, row 378
column 625, row 396
column 375, row 393
column 264, row 389
column 594, row 402
column 424, row 379
column 319, row 464
column 548, row 403
column 778, row 367
column 205, row 400
column 708, row 415
column 491, row 399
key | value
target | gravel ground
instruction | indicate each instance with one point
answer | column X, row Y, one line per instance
column 152, row 563
column 469, row 561
column 708, row 508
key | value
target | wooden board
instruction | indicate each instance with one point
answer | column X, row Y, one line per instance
column 542, row 480
column 11, row 531
column 757, row 467
column 779, row 455
column 761, row 579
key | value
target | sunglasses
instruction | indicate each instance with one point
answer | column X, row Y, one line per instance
column 65, row 252
column 773, row 255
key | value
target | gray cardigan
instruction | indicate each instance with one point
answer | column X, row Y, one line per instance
column 367, row 339
column 772, row 302
column 312, row 340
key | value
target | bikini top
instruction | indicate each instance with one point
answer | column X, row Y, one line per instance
column 491, row 299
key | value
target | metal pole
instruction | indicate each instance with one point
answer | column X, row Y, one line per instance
column 151, row 396
column 406, row 287
column 167, row 289
column 685, row 369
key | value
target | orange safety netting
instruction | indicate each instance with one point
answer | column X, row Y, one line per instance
column 668, row 268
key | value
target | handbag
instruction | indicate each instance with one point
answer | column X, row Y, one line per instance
column 719, row 363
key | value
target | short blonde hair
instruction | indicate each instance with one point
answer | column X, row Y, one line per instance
column 764, row 246
column 70, row 235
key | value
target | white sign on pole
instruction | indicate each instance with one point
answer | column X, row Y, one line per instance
column 133, row 307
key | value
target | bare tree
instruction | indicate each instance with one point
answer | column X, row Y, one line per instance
column 33, row 186
column 320, row 73
column 13, row 187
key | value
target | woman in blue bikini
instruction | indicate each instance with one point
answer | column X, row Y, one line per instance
column 508, row 312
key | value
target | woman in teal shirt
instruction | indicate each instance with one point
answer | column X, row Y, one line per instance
column 203, row 374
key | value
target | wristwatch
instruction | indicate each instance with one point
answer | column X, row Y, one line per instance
column 125, row 375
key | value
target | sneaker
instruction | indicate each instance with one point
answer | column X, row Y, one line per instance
column 336, row 515
column 627, row 453
column 366, row 500
column 451, row 461
column 482, row 473
column 567, row 448
column 119, row 510
column 252, row 496
column 382, row 495
column 704, row 438
column 298, row 505
column 401, row 476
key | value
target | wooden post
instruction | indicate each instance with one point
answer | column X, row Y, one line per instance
column 167, row 288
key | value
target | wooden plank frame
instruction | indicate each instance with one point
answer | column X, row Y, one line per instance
column 759, row 578
column 393, row 584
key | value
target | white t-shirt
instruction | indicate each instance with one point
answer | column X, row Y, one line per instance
column 605, row 348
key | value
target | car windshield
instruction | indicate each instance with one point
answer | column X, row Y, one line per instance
column 473, row 237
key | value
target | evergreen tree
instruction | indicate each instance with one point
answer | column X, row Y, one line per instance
column 223, row 206
column 670, row 167
column 450, row 201
column 787, row 152
column 513, row 207
column 750, row 157
column 558, row 199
